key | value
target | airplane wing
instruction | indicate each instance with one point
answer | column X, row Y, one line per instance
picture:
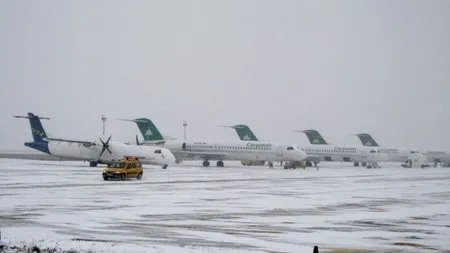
column 85, row 143
column 205, row 155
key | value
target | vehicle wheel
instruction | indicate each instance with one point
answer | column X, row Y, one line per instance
column 364, row 164
column 122, row 177
column 356, row 164
column 105, row 177
column 205, row 163
column 219, row 164
column 93, row 164
column 308, row 164
column 139, row 176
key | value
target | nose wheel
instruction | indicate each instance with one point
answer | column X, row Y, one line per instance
column 219, row 164
column 206, row 163
column 165, row 166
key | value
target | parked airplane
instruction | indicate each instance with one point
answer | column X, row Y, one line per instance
column 93, row 151
column 346, row 153
column 326, row 153
column 402, row 154
column 246, row 135
column 225, row 150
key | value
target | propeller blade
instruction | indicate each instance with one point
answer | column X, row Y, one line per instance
column 102, row 141
column 108, row 139
column 101, row 153
column 107, row 148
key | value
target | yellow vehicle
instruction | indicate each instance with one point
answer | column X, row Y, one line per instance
column 128, row 167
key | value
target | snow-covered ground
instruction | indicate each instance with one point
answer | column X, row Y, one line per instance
column 189, row 208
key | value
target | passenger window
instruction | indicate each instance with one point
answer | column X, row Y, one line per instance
column 138, row 165
column 134, row 165
column 129, row 166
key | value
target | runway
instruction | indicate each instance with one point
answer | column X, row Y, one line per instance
column 189, row 208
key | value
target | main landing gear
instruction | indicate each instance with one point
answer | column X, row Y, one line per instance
column 92, row 164
column 165, row 166
column 206, row 163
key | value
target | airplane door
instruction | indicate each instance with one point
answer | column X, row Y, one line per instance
column 280, row 151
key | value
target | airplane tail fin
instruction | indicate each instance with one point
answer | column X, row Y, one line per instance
column 367, row 140
column 315, row 137
column 244, row 132
column 37, row 130
column 148, row 130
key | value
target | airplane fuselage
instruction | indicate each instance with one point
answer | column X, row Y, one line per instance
column 78, row 151
column 342, row 153
column 234, row 150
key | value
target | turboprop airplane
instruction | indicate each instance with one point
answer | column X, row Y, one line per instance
column 403, row 154
column 367, row 156
column 94, row 151
column 224, row 150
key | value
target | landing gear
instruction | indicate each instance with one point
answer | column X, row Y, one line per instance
column 93, row 164
column 219, row 164
column 374, row 165
column 356, row 164
column 165, row 166
column 308, row 164
column 364, row 164
column 206, row 163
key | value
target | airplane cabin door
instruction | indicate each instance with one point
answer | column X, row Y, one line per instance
column 279, row 151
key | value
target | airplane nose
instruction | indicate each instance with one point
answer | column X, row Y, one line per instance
column 169, row 158
column 301, row 155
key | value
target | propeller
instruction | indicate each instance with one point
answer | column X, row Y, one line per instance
column 105, row 146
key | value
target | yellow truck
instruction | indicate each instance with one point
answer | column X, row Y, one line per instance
column 128, row 167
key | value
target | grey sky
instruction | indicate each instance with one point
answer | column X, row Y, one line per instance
column 341, row 67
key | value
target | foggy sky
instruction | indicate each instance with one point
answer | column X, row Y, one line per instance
column 340, row 67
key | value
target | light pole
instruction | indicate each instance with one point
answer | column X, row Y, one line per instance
column 185, row 126
column 104, row 122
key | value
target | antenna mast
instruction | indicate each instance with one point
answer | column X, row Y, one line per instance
column 104, row 122
column 184, row 126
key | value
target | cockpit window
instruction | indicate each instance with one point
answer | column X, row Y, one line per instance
column 158, row 151
column 373, row 151
column 290, row 148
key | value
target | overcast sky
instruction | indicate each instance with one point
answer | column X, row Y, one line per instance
column 340, row 67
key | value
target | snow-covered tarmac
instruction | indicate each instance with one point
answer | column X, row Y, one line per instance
column 189, row 208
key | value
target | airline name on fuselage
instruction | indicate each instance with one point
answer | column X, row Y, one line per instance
column 388, row 150
column 338, row 150
column 259, row 145
column 436, row 153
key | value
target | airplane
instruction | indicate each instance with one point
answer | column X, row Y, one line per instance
column 315, row 138
column 93, row 151
column 245, row 135
column 402, row 154
column 366, row 156
column 223, row 150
